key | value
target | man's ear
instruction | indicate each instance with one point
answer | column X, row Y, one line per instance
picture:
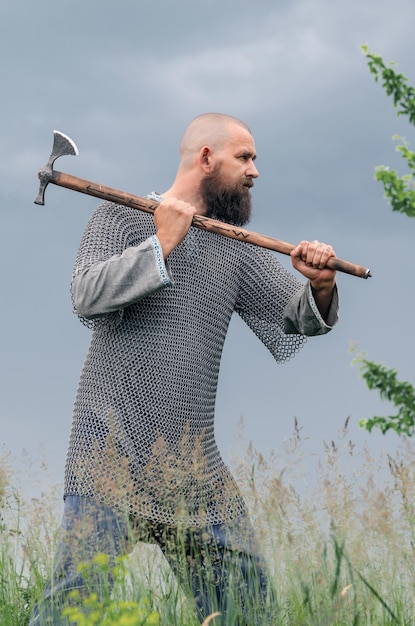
column 206, row 159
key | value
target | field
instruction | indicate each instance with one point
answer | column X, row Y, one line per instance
column 340, row 547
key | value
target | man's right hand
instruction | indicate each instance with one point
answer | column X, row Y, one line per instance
column 173, row 219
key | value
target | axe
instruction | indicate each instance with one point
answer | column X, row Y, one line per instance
column 63, row 145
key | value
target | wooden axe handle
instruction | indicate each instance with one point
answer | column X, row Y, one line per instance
column 200, row 221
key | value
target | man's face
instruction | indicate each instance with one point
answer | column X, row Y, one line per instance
column 226, row 191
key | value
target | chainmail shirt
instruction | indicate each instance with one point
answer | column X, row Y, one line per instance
column 142, row 435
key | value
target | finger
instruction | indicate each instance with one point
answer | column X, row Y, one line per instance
column 326, row 252
column 300, row 250
column 313, row 252
column 321, row 255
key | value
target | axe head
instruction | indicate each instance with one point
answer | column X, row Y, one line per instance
column 62, row 145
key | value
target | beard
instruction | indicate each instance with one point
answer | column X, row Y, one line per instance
column 227, row 204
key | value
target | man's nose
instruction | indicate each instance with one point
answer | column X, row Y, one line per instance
column 252, row 170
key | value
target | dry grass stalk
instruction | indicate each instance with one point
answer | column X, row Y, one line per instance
column 210, row 618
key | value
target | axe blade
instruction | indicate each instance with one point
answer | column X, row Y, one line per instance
column 62, row 146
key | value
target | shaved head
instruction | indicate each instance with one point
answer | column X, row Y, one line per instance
column 217, row 170
column 209, row 129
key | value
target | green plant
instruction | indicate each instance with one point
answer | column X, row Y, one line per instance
column 399, row 191
column 400, row 393
column 89, row 610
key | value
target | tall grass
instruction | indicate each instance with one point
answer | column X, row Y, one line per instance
column 338, row 535
column 28, row 526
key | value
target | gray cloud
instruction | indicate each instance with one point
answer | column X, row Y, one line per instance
column 123, row 79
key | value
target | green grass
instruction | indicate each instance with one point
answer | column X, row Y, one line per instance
column 338, row 535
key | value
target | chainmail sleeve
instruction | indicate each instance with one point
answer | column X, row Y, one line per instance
column 115, row 267
column 266, row 290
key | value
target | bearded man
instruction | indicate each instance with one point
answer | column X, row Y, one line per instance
column 159, row 295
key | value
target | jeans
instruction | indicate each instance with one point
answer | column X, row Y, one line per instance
column 219, row 565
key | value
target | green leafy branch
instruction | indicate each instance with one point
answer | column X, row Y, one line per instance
column 394, row 84
column 400, row 393
column 399, row 191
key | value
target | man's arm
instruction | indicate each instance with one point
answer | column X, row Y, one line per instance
column 111, row 284
column 108, row 286
column 310, row 258
column 313, row 310
column 173, row 219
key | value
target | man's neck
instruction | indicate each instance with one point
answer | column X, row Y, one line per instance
column 187, row 191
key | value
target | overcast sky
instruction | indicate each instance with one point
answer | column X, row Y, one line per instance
column 123, row 79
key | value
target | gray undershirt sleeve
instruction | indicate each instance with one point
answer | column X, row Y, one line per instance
column 107, row 286
column 301, row 315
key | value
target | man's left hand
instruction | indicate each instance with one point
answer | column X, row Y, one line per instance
column 310, row 258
